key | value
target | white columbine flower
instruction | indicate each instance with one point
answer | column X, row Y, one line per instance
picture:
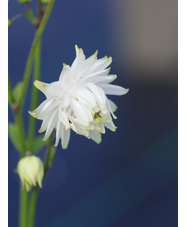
column 78, row 100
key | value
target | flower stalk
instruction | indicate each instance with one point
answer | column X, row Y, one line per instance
column 36, row 76
column 32, row 52
column 50, row 153
column 20, row 126
column 49, row 157
column 32, row 207
column 23, row 207
column 17, row 110
column 11, row 98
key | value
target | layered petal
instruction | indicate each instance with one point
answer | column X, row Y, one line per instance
column 111, row 89
column 78, row 101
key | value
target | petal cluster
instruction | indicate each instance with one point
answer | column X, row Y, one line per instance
column 78, row 100
column 31, row 171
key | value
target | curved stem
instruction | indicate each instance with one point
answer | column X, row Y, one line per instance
column 32, row 52
column 23, row 207
column 34, row 96
column 14, row 18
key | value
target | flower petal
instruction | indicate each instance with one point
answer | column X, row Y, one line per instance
column 64, row 73
column 51, row 125
column 111, row 89
column 96, row 137
column 80, row 57
column 112, row 105
column 86, row 96
column 95, row 77
column 100, row 64
column 62, row 116
column 110, row 108
column 80, row 112
column 98, row 93
column 79, row 128
column 58, row 133
column 87, row 64
column 40, row 85
column 104, row 79
column 65, row 137
column 110, row 125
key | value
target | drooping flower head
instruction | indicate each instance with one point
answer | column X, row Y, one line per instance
column 31, row 171
column 78, row 100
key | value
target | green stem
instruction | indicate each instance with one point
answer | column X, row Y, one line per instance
column 10, row 93
column 33, row 199
column 23, row 207
column 32, row 52
column 19, row 122
column 18, row 119
column 39, row 3
column 17, row 111
column 34, row 96
column 32, row 210
column 47, row 163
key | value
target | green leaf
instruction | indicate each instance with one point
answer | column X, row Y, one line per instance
column 38, row 144
column 30, row 16
column 17, row 90
column 14, row 136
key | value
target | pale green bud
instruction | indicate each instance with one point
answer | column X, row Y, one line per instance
column 31, row 171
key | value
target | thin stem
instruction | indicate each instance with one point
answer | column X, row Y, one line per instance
column 17, row 111
column 18, row 119
column 32, row 210
column 33, row 199
column 40, row 12
column 19, row 122
column 14, row 18
column 47, row 156
column 10, row 93
column 23, row 207
column 32, row 52
column 34, row 96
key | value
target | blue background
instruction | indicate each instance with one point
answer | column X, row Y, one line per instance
column 130, row 179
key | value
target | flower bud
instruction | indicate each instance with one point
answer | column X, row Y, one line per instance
column 31, row 171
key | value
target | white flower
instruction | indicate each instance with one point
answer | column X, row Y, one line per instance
column 31, row 171
column 78, row 100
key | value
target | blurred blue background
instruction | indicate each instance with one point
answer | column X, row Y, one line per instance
column 130, row 179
